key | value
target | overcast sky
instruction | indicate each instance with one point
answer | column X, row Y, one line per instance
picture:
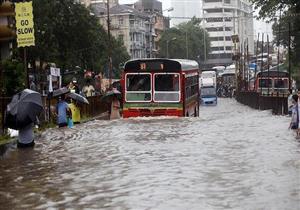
column 259, row 26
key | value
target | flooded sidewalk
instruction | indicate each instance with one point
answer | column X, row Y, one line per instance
column 231, row 157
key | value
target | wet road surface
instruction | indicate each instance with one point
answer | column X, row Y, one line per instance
column 232, row 157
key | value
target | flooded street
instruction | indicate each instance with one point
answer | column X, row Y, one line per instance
column 232, row 157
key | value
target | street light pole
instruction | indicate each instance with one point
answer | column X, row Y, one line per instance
column 174, row 38
column 168, row 48
column 109, row 45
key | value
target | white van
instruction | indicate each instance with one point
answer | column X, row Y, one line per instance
column 208, row 77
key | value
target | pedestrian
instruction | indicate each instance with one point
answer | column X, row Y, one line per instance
column 26, row 135
column 88, row 90
column 295, row 117
column 62, row 109
column 298, row 132
column 290, row 102
column 73, row 86
column 115, row 108
column 75, row 111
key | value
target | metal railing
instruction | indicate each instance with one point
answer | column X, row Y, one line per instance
column 93, row 109
column 277, row 102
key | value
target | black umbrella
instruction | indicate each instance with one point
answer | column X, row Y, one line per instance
column 108, row 96
column 23, row 109
column 78, row 98
column 60, row 91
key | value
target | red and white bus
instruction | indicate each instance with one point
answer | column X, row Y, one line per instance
column 160, row 87
column 272, row 82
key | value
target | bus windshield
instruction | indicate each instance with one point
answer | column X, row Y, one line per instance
column 207, row 92
column 166, row 87
column 138, row 87
column 265, row 83
column 280, row 83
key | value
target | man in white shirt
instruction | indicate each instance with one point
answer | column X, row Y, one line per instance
column 88, row 89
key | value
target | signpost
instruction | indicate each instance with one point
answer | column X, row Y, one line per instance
column 24, row 29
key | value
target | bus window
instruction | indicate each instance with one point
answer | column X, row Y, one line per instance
column 280, row 83
column 138, row 87
column 265, row 83
column 166, row 88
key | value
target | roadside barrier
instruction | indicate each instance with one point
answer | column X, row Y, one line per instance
column 93, row 109
column 276, row 103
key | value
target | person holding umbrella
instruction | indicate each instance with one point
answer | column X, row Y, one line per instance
column 62, row 110
column 74, row 106
column 75, row 111
column 113, row 98
column 22, row 113
column 26, row 136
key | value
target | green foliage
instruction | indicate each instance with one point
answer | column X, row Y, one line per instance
column 185, row 41
column 14, row 77
column 66, row 34
column 284, row 27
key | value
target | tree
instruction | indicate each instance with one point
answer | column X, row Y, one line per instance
column 187, row 40
column 68, row 35
column 15, row 77
column 286, row 27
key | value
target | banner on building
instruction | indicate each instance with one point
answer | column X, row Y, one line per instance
column 24, row 24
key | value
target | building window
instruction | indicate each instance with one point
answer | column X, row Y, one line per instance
column 227, row 1
column 217, row 48
column 227, row 29
column 228, row 48
column 121, row 21
column 212, row 1
column 228, row 19
column 214, row 20
column 218, row 38
column 228, row 10
column 213, row 10
column 213, row 29
column 228, row 38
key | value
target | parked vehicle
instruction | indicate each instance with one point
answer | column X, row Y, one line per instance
column 155, row 87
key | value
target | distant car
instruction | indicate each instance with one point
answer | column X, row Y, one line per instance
column 208, row 95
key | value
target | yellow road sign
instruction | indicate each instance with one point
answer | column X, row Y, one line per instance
column 24, row 24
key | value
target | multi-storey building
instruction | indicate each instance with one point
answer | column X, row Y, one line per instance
column 158, row 22
column 139, row 25
column 222, row 19
column 129, row 25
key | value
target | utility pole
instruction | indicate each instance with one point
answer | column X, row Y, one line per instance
column 290, row 80
column 109, row 45
column 187, row 47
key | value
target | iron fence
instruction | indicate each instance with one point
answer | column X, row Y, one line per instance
column 94, row 108
column 277, row 103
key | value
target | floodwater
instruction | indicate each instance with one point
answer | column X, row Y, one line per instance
column 232, row 157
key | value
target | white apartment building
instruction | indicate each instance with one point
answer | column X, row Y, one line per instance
column 222, row 19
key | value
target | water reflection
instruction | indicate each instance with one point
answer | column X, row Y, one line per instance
column 231, row 157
